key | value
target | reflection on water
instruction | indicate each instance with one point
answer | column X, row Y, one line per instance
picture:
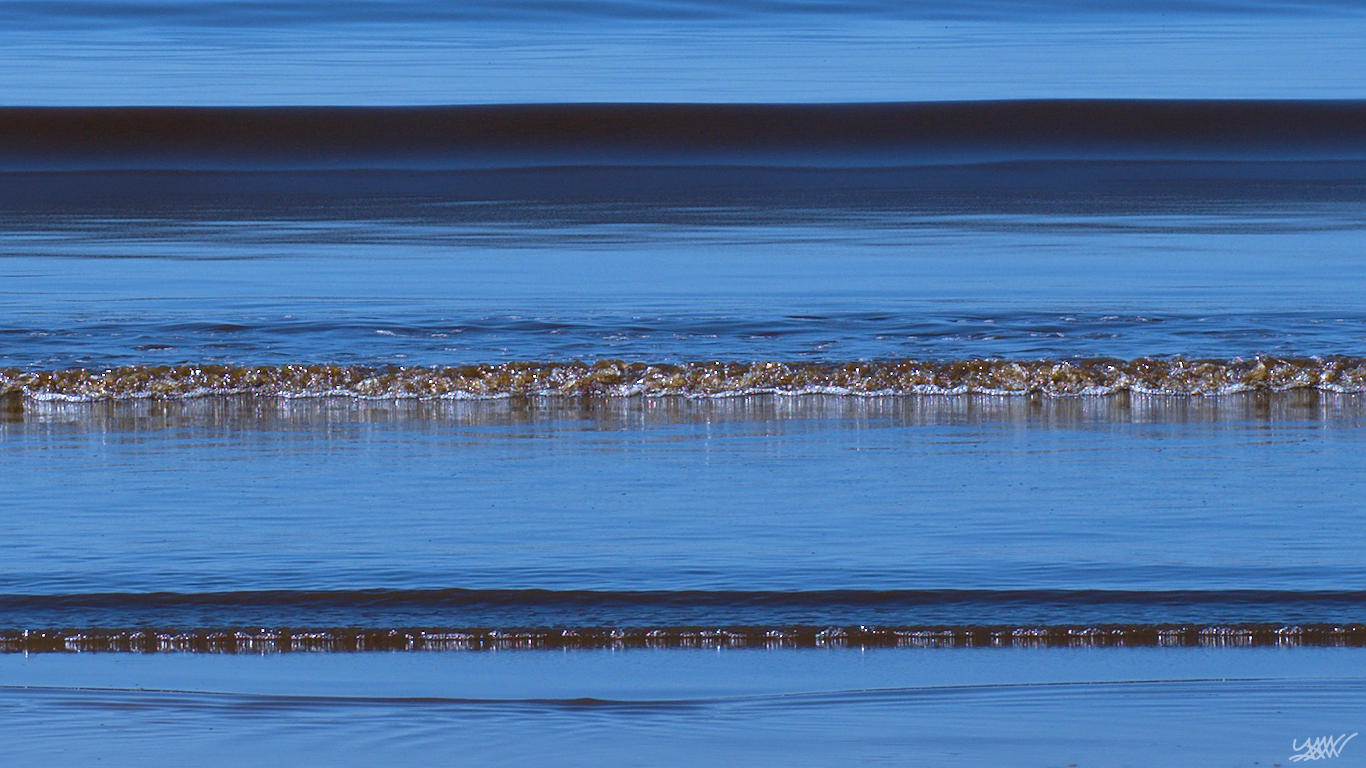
column 928, row 579
column 1307, row 406
column 763, row 493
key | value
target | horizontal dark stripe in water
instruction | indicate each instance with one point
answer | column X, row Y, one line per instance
column 699, row 194
column 593, row 135
column 615, row 378
column 287, row 640
column 551, row 618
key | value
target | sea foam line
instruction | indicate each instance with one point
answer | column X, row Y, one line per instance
column 286, row 640
column 615, row 378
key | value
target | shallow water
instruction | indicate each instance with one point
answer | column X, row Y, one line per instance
column 1066, row 269
column 652, row 495
column 1116, row 707
column 608, row 422
column 425, row 52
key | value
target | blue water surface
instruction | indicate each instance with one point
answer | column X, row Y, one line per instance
column 1142, row 495
column 215, row 52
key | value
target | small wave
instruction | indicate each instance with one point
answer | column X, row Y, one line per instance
column 285, row 640
column 615, row 378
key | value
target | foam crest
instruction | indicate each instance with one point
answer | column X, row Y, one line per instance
column 615, row 378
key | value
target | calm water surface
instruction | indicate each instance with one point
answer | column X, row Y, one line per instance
column 1021, row 443
column 426, row 52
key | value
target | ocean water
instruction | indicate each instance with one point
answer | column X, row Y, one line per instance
column 661, row 382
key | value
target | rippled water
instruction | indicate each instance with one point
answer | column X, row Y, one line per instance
column 428, row 52
column 651, row 394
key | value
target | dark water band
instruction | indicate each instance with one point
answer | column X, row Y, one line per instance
column 615, row 378
column 810, row 135
column 704, row 191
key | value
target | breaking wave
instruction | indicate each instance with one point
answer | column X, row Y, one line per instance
column 615, row 378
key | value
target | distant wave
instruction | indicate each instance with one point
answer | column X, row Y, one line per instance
column 615, row 378
column 669, row 135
